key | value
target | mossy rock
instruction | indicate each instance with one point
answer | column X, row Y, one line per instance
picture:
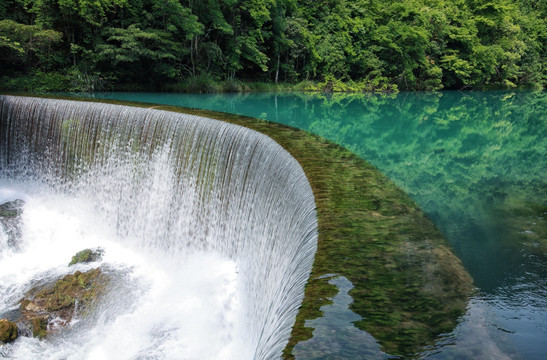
column 39, row 327
column 11, row 209
column 83, row 287
column 58, row 300
column 87, row 256
column 8, row 331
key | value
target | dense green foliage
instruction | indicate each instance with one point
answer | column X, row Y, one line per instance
column 85, row 45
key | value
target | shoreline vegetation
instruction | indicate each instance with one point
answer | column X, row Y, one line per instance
column 54, row 82
column 43, row 83
column 227, row 45
column 409, row 287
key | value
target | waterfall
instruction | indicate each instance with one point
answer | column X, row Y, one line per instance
column 179, row 186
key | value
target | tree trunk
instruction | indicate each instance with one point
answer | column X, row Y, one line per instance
column 277, row 69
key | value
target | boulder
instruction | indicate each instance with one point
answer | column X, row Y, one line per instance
column 87, row 256
column 60, row 301
column 8, row 331
column 11, row 209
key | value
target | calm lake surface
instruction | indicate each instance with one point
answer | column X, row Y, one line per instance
column 475, row 162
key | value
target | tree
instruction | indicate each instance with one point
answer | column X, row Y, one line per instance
column 27, row 45
column 415, row 44
column 140, row 51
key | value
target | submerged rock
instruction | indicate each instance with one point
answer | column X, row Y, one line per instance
column 11, row 222
column 8, row 331
column 53, row 306
column 87, row 256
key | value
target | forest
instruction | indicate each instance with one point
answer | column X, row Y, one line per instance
column 332, row 45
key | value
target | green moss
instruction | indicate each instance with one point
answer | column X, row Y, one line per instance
column 83, row 287
column 39, row 327
column 58, row 299
column 8, row 331
column 86, row 256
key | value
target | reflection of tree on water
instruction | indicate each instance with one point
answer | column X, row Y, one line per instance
column 447, row 147
column 478, row 156
column 474, row 162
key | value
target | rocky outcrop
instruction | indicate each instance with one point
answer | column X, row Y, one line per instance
column 51, row 307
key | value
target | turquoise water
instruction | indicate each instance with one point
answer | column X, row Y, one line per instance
column 475, row 162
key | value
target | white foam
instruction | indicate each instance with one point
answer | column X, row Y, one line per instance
column 185, row 307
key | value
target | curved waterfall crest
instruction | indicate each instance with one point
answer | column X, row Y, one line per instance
column 179, row 184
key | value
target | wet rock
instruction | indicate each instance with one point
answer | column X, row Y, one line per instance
column 8, row 331
column 39, row 327
column 51, row 307
column 11, row 209
column 11, row 222
column 87, row 256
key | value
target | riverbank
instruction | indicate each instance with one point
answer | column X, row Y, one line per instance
column 40, row 82
column 72, row 81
